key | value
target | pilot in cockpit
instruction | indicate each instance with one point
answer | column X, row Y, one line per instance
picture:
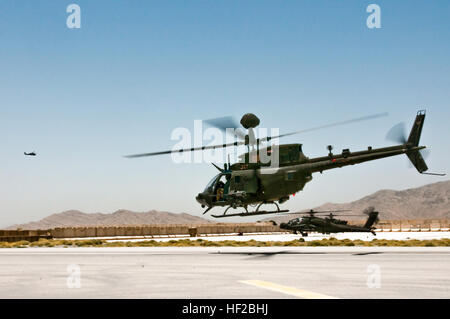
column 223, row 188
column 219, row 190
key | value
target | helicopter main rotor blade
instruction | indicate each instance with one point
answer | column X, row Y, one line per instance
column 201, row 148
column 224, row 123
column 359, row 119
column 354, row 215
column 319, row 212
column 192, row 149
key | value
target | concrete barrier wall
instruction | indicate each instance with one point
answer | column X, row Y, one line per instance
column 157, row 230
column 28, row 235
column 414, row 224
column 24, row 232
column 204, row 229
column 225, row 228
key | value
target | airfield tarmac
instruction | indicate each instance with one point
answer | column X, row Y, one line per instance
column 226, row 272
column 395, row 235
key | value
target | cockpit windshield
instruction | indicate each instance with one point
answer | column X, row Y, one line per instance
column 221, row 180
column 211, row 182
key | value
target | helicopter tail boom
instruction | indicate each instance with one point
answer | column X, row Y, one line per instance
column 409, row 146
column 345, row 159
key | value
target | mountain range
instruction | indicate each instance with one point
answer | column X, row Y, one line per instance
column 431, row 201
column 73, row 218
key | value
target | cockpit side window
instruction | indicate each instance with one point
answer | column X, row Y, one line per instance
column 212, row 182
column 221, row 182
column 218, row 180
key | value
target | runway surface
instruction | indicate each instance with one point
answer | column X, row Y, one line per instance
column 226, row 272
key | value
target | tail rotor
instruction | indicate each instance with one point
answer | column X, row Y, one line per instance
column 373, row 217
column 397, row 133
column 415, row 153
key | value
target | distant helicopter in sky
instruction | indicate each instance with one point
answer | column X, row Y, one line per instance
column 30, row 154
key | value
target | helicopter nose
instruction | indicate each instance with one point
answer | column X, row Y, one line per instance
column 283, row 225
column 201, row 199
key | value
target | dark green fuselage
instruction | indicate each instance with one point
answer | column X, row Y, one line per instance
column 252, row 182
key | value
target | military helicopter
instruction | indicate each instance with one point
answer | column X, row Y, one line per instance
column 252, row 182
column 29, row 154
column 329, row 224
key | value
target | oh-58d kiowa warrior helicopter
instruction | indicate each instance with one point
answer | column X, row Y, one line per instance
column 251, row 182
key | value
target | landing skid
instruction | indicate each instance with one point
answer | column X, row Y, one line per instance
column 256, row 212
column 263, row 212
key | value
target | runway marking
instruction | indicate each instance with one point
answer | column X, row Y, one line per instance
column 287, row 290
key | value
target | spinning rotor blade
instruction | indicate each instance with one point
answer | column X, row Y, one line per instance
column 334, row 211
column 354, row 215
column 425, row 153
column 222, row 122
column 201, row 148
column 359, row 119
column 397, row 133
column 313, row 212
column 368, row 210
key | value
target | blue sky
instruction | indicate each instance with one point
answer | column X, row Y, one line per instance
column 82, row 98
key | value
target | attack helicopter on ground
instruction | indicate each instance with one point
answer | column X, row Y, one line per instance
column 252, row 182
column 312, row 223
